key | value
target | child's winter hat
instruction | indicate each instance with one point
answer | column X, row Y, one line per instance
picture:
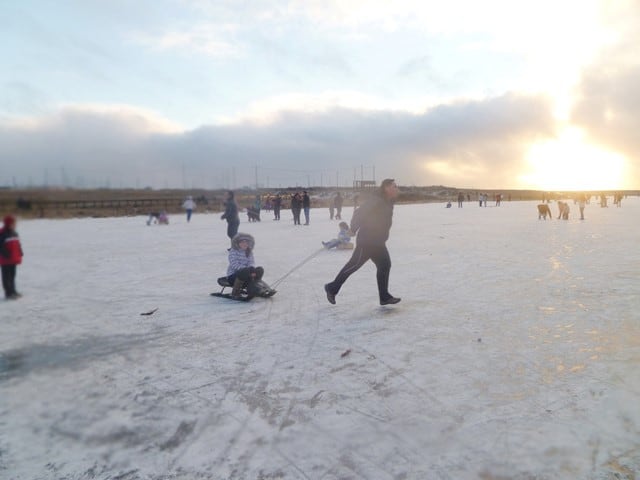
column 9, row 221
column 235, row 242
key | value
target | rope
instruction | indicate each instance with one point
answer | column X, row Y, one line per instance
column 299, row 265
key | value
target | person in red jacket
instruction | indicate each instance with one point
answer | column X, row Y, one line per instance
column 10, row 257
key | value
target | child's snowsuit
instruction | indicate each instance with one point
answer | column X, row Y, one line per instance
column 343, row 237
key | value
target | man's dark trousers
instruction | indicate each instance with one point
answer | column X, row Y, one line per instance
column 379, row 255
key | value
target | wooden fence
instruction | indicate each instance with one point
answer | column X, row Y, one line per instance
column 92, row 207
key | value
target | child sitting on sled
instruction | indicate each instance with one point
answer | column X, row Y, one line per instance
column 242, row 273
column 343, row 240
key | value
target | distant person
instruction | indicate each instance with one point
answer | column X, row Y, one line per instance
column 603, row 200
column 543, row 211
column 563, row 208
column 231, row 214
column 153, row 218
column 253, row 211
column 296, row 207
column 372, row 222
column 160, row 218
column 277, row 204
column 163, row 218
column 189, row 205
column 306, row 206
column 10, row 257
column 337, row 203
column 460, row 199
column 344, row 237
column 617, row 199
column 253, row 215
column 582, row 202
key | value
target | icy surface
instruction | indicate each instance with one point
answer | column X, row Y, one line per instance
column 514, row 354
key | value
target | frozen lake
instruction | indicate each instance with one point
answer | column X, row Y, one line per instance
column 514, row 354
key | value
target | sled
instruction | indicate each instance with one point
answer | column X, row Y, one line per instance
column 345, row 246
column 254, row 289
column 241, row 298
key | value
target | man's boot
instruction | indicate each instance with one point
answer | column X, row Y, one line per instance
column 237, row 288
column 390, row 300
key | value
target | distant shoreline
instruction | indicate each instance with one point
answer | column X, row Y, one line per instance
column 74, row 203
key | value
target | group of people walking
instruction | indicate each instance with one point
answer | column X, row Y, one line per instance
column 300, row 204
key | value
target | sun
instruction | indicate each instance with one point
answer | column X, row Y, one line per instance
column 568, row 163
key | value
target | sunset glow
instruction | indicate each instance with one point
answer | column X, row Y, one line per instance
column 570, row 164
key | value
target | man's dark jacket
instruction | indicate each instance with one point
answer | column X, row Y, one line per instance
column 372, row 221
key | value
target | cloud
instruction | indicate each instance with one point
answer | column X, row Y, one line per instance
column 480, row 142
column 416, row 66
column 21, row 97
column 210, row 39
column 607, row 96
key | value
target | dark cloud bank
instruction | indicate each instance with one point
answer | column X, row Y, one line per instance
column 481, row 142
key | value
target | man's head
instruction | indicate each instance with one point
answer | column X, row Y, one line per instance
column 389, row 189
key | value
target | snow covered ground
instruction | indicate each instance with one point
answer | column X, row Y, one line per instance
column 514, row 354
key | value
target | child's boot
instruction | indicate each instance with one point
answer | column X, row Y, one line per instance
column 237, row 288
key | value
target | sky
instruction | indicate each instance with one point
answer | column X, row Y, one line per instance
column 226, row 94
